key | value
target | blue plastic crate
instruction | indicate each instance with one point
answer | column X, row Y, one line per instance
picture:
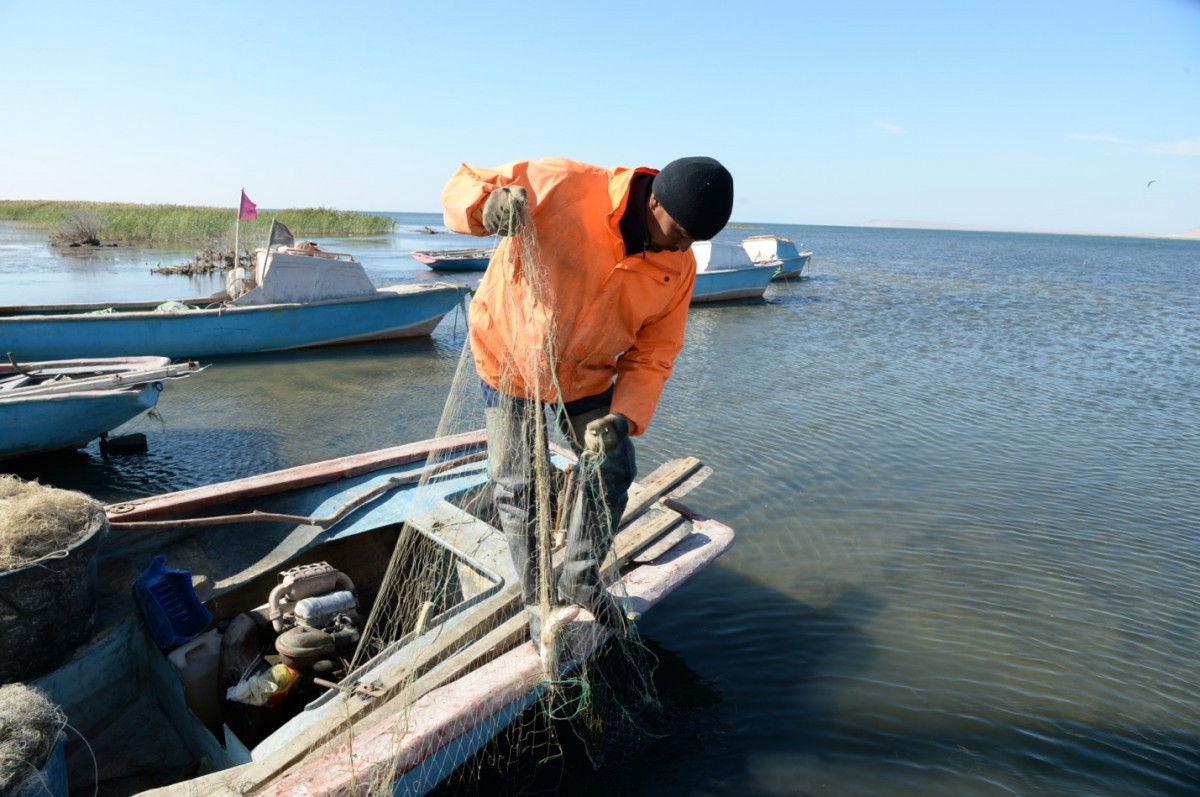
column 173, row 611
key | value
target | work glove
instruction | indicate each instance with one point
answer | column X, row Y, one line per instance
column 504, row 212
column 605, row 434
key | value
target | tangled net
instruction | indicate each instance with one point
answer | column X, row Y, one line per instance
column 39, row 523
column 29, row 728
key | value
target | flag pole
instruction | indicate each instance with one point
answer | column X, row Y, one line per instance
column 237, row 230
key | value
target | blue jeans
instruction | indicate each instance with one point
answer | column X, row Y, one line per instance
column 513, row 453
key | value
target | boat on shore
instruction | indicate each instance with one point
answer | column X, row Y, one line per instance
column 724, row 272
column 59, row 405
column 768, row 249
column 455, row 259
column 282, row 568
column 293, row 299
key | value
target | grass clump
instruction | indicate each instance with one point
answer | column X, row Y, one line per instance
column 182, row 224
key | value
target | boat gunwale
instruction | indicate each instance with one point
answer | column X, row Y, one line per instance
column 215, row 306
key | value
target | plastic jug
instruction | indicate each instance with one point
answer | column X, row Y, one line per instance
column 196, row 662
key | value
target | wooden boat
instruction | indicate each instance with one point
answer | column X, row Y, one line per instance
column 62, row 404
column 455, row 259
column 404, row 719
column 765, row 249
column 294, row 299
column 725, row 272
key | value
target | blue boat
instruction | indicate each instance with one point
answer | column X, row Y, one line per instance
column 271, row 554
column 765, row 249
column 64, row 404
column 725, row 272
column 455, row 259
column 293, row 299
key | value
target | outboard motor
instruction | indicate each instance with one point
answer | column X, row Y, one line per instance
column 315, row 609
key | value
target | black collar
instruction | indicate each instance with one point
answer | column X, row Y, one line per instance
column 634, row 231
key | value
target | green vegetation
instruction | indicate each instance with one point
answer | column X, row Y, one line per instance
column 174, row 224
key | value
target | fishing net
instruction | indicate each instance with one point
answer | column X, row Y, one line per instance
column 38, row 522
column 605, row 706
column 29, row 728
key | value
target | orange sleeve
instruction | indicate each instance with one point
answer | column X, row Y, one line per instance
column 465, row 193
column 642, row 371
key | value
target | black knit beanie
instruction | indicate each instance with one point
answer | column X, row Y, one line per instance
column 698, row 193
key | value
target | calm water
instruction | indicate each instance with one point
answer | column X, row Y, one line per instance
column 964, row 471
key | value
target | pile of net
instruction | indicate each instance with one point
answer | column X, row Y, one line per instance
column 38, row 523
column 29, row 728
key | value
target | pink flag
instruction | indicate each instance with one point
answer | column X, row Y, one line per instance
column 248, row 210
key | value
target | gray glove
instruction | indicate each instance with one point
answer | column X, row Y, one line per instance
column 504, row 212
column 605, row 434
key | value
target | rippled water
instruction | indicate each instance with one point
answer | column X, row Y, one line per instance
column 963, row 469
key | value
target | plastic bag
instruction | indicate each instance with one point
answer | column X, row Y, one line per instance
column 265, row 688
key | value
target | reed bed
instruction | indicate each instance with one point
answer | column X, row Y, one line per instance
column 170, row 224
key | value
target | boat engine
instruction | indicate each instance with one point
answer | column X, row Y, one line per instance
column 316, row 612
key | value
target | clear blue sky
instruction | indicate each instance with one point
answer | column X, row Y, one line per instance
column 1032, row 114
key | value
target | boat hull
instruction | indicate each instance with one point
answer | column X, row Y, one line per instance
column 63, row 404
column 55, row 423
column 475, row 680
column 72, row 331
column 792, row 267
column 731, row 284
column 455, row 260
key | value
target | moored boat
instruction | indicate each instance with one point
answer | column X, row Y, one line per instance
column 401, row 717
column 455, row 259
column 766, row 249
column 725, row 272
column 64, row 404
column 293, row 299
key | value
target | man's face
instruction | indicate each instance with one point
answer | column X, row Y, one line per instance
column 666, row 234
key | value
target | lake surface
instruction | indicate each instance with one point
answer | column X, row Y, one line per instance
column 964, row 469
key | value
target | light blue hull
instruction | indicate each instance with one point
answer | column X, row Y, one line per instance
column 134, row 329
column 739, row 283
column 52, row 423
column 122, row 693
column 792, row 267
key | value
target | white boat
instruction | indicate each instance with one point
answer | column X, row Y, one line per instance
column 64, row 404
column 766, row 249
column 725, row 272
column 459, row 668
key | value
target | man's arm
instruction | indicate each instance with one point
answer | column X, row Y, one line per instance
column 466, row 193
column 643, row 370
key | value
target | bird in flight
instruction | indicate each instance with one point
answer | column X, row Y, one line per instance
column 1152, row 182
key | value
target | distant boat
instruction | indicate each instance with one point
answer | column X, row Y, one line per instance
column 293, row 299
column 455, row 259
column 64, row 404
column 725, row 271
column 764, row 249
column 319, row 536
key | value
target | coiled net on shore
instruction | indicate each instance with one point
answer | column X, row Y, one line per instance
column 38, row 523
column 29, row 728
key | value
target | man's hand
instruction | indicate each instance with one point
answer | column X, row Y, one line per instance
column 504, row 213
column 605, row 434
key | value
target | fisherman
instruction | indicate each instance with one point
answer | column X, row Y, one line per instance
column 597, row 330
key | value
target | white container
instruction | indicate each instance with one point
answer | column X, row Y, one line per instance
column 196, row 662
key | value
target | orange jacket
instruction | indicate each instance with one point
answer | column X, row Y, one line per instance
column 605, row 314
